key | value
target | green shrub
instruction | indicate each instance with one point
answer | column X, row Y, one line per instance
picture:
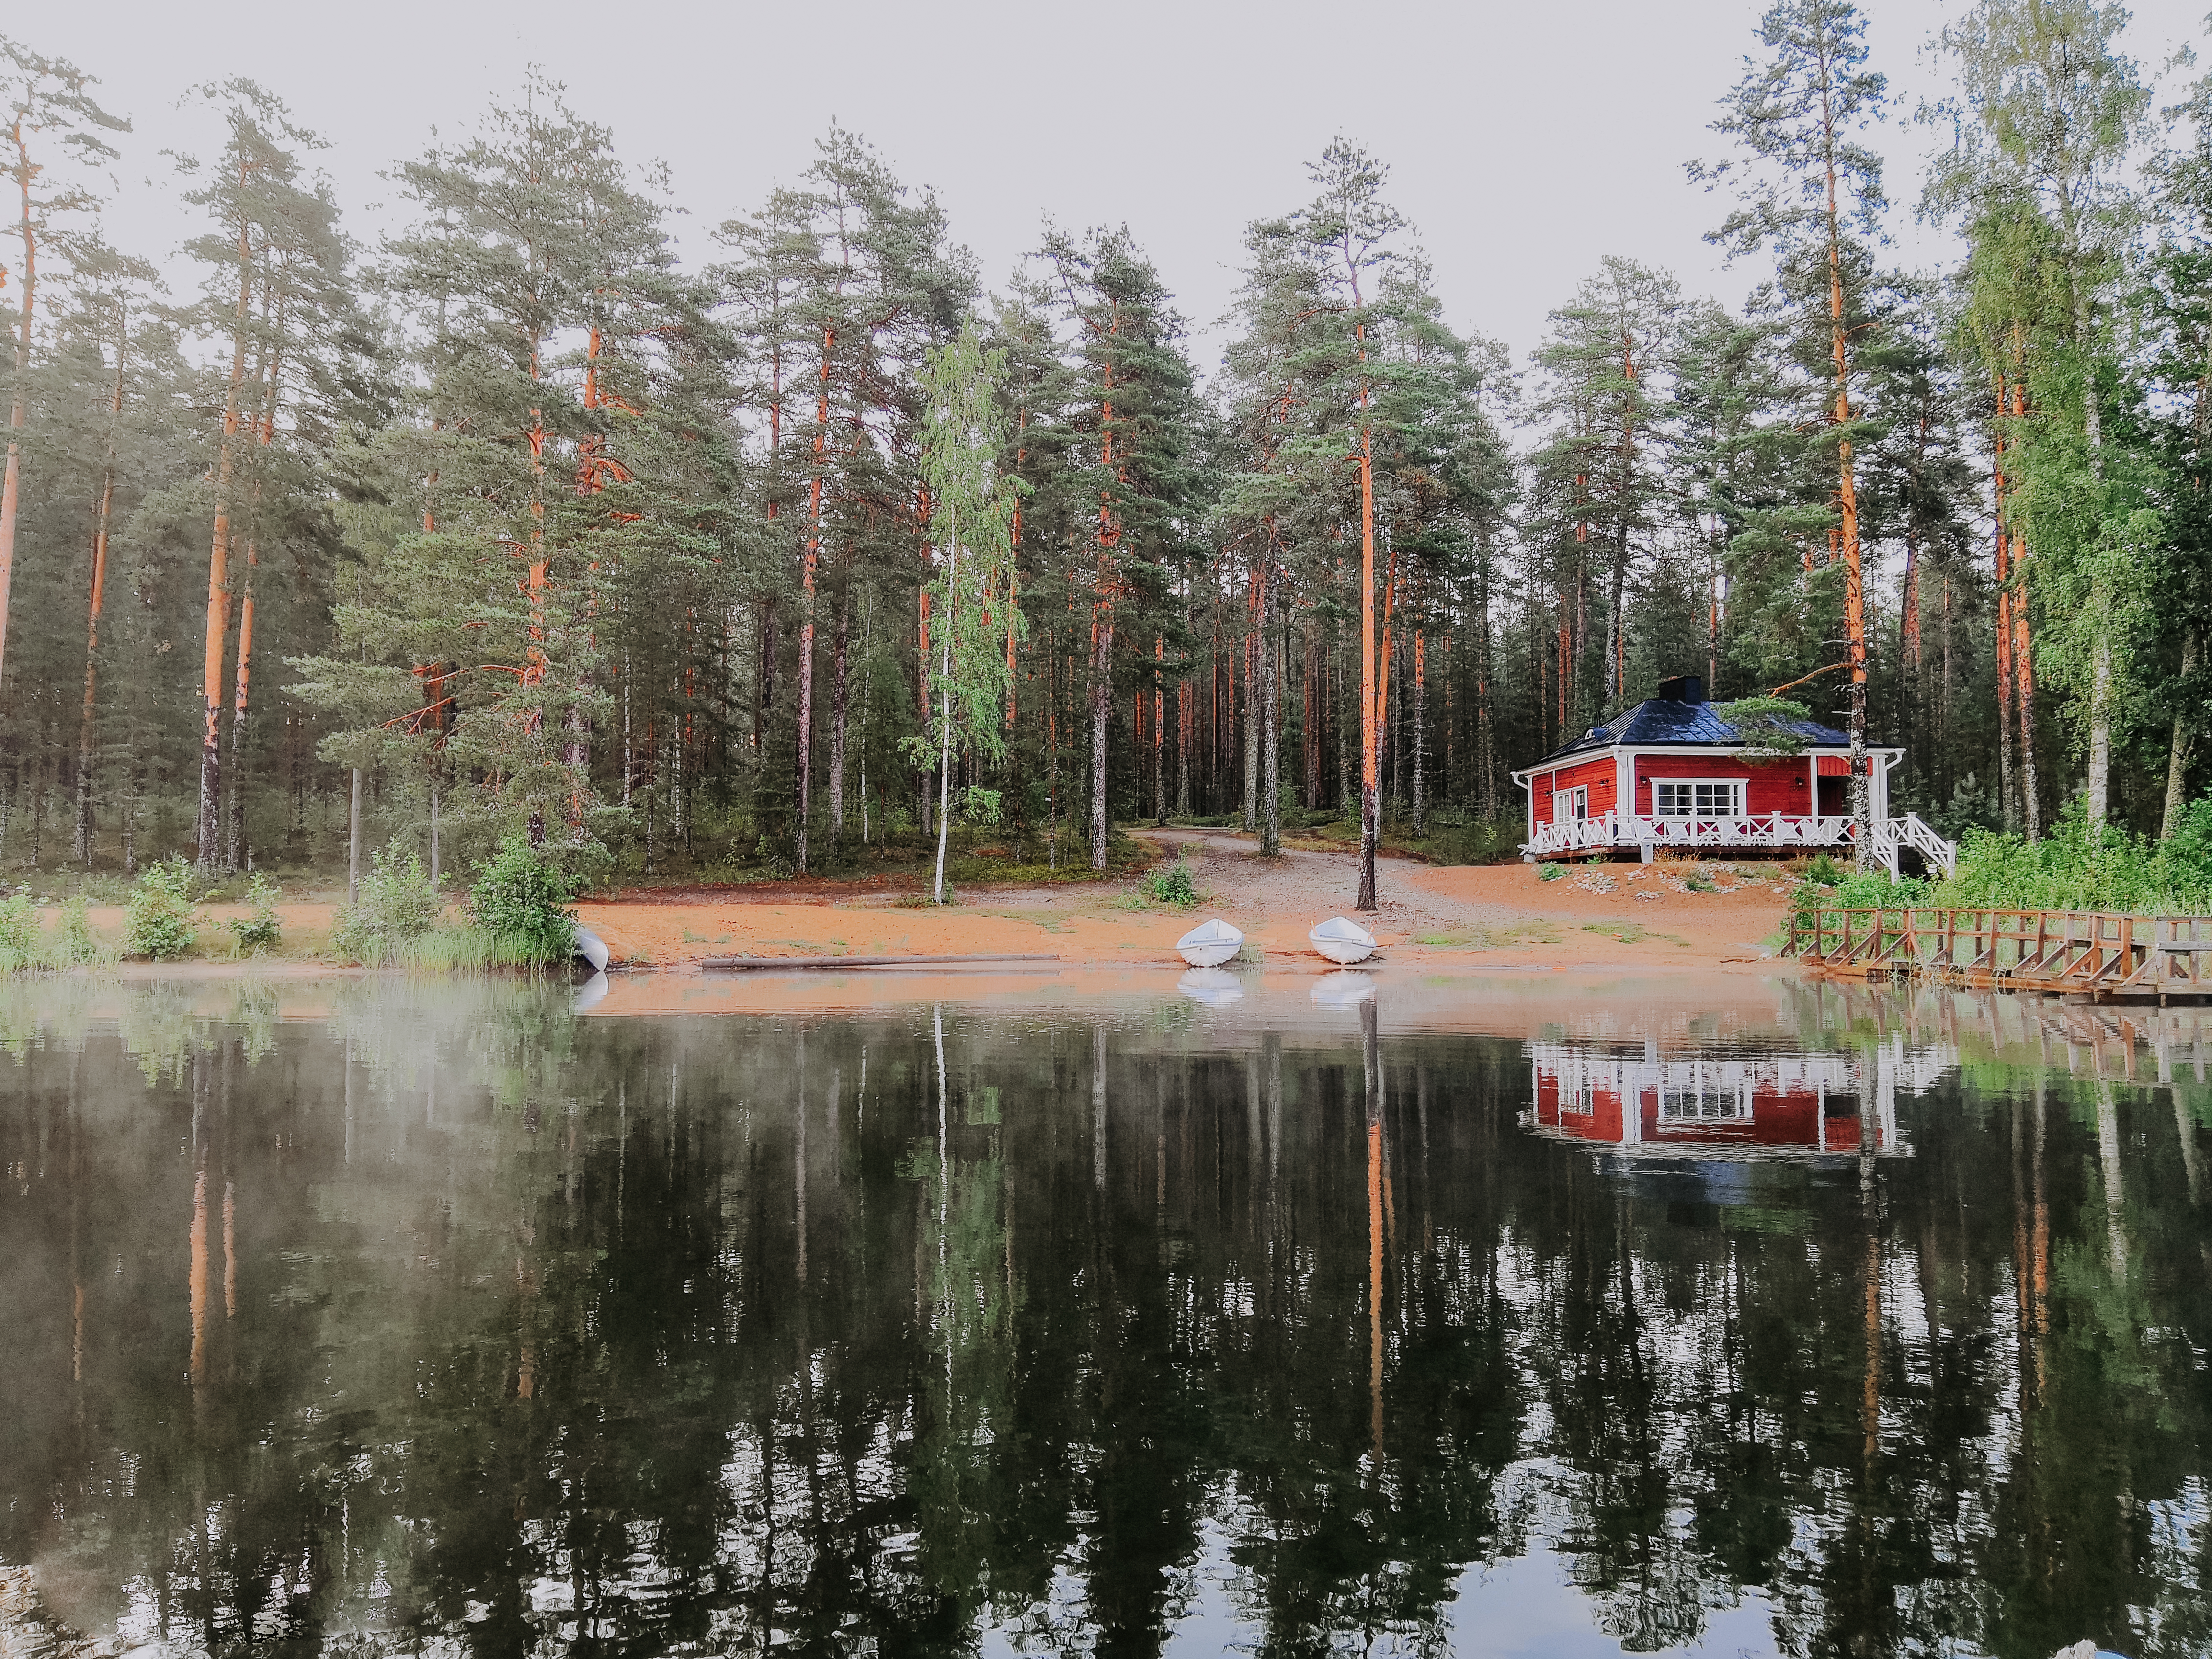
column 1824, row 870
column 1172, row 884
column 521, row 899
column 264, row 928
column 397, row 905
column 1550, row 872
column 161, row 923
column 19, row 932
column 2073, row 869
column 1854, row 890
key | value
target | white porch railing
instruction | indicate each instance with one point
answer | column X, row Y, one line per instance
column 1607, row 830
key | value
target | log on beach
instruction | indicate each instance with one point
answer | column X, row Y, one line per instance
column 867, row 962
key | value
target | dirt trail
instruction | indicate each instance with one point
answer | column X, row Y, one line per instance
column 1594, row 916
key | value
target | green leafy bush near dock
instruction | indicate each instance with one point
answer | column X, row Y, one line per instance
column 2072, row 869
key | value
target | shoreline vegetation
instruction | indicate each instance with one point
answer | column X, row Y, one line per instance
column 521, row 909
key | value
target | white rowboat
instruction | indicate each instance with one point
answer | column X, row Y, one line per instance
column 592, row 949
column 1341, row 939
column 1210, row 944
column 1214, row 986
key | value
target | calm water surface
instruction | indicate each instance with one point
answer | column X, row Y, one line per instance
column 368, row 1318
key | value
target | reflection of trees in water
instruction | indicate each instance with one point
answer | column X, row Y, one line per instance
column 447, row 1312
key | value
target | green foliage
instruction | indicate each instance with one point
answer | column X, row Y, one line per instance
column 161, row 923
column 397, row 905
column 264, row 928
column 1172, row 884
column 1474, row 841
column 1768, row 725
column 2074, row 867
column 1829, row 887
column 1549, row 871
column 20, row 941
column 522, row 901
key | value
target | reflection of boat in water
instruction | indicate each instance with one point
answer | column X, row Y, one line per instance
column 1214, row 986
column 1343, row 988
column 1806, row 1106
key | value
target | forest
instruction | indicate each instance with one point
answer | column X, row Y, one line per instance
column 513, row 524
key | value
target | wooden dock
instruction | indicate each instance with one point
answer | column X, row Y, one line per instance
column 2088, row 953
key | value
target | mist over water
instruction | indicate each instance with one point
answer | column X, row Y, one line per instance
column 371, row 1317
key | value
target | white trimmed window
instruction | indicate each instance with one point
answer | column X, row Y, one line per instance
column 1570, row 805
column 1697, row 798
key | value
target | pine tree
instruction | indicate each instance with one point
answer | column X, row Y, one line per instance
column 1806, row 189
column 2047, row 113
column 53, row 139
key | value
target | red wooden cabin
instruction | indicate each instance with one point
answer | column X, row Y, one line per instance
column 1670, row 771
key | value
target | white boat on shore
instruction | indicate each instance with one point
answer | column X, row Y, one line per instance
column 1343, row 940
column 1210, row 944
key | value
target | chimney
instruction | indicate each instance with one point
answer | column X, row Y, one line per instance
column 1683, row 688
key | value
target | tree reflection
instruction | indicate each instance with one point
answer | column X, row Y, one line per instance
column 459, row 1322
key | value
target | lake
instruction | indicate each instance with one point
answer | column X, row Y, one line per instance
column 1054, row 1313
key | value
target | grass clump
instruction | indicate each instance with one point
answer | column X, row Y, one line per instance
column 20, row 943
column 72, row 944
column 397, row 907
column 161, row 923
column 1548, row 871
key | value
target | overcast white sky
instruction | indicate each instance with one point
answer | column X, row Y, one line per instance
column 1526, row 140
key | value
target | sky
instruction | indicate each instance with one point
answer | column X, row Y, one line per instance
column 1526, row 140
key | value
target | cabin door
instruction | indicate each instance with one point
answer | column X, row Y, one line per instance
column 1835, row 800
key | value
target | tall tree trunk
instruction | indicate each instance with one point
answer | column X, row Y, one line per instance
column 1102, row 703
column 270, row 374
column 1271, row 718
column 353, row 841
column 1854, row 640
column 1250, row 663
column 839, row 691
column 1370, row 689
column 11, row 479
column 2023, row 668
column 1420, row 716
column 218, row 603
column 2179, row 749
column 804, row 781
column 86, row 727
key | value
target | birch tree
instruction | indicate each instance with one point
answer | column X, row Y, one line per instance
column 964, row 436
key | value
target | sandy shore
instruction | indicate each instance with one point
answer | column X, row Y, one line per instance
column 1630, row 916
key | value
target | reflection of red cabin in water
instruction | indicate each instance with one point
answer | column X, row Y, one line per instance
column 1806, row 1106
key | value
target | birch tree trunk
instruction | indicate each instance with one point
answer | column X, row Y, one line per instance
column 2179, row 750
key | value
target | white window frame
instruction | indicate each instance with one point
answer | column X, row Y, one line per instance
column 1571, row 806
column 1735, row 786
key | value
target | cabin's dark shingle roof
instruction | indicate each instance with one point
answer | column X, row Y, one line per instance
column 1679, row 714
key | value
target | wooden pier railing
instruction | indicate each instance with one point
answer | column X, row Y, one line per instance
column 2087, row 951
